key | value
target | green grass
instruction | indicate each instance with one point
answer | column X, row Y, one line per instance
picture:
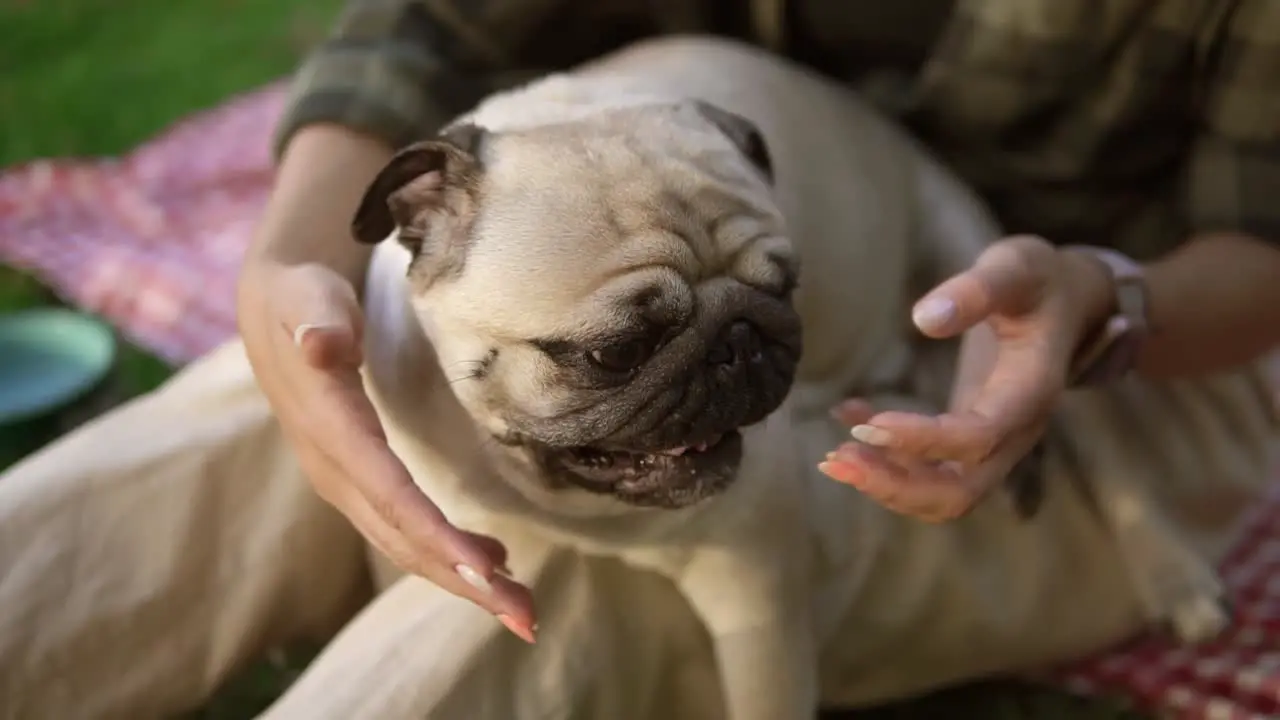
column 95, row 77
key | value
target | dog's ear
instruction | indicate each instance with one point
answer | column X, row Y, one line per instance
column 419, row 179
column 744, row 134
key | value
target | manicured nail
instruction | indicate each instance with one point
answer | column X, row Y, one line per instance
column 301, row 332
column 871, row 435
column 933, row 314
column 523, row 634
column 473, row 578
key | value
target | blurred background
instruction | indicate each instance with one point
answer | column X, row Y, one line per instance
column 86, row 78
column 97, row 78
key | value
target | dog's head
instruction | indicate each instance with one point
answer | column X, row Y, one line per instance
column 610, row 297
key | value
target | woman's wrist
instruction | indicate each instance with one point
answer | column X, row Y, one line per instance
column 1090, row 292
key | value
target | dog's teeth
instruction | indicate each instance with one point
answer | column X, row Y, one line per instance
column 700, row 447
column 598, row 460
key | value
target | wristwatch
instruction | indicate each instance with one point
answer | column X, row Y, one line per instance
column 1111, row 351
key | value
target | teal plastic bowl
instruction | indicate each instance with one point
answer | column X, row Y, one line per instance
column 50, row 359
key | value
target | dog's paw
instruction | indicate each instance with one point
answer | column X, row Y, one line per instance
column 1198, row 619
column 1177, row 588
column 1182, row 593
column 1189, row 600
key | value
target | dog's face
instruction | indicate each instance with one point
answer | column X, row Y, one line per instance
column 610, row 298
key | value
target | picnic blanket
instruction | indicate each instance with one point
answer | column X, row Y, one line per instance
column 152, row 242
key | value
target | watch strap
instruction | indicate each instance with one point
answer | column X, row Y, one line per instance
column 1111, row 351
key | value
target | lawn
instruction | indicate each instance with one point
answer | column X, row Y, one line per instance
column 93, row 77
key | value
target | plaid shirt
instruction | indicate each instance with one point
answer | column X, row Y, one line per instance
column 1129, row 123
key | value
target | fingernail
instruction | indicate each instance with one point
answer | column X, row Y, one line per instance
column 933, row 314
column 473, row 578
column 871, row 435
column 523, row 634
column 301, row 332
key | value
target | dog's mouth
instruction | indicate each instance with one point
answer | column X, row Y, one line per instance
column 672, row 478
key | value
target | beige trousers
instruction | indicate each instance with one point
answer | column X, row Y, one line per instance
column 149, row 554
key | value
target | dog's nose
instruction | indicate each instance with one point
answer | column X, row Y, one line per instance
column 738, row 343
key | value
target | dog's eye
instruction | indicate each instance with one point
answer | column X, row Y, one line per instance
column 623, row 356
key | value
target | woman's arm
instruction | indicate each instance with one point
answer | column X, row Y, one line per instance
column 1215, row 301
column 389, row 73
column 323, row 173
column 1214, row 304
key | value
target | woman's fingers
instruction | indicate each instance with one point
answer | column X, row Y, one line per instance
column 374, row 490
column 853, row 411
column 325, row 347
column 355, row 441
column 928, row 491
column 320, row 312
column 304, row 341
column 492, row 548
column 500, row 596
column 1008, row 278
column 937, row 467
column 1015, row 395
column 964, row 437
column 480, row 581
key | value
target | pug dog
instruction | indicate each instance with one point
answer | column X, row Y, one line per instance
column 609, row 311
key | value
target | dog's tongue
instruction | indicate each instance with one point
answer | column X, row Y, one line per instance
column 700, row 447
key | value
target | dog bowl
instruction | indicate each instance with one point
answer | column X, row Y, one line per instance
column 50, row 358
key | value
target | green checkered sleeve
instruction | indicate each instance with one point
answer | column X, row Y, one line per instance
column 400, row 69
column 1234, row 172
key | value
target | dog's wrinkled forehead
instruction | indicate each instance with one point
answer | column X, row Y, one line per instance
column 641, row 185
column 603, row 207
column 677, row 148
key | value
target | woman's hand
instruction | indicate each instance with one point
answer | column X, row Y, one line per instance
column 301, row 328
column 1026, row 306
column 301, row 324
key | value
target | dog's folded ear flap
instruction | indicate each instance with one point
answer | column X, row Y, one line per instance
column 743, row 133
column 415, row 180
